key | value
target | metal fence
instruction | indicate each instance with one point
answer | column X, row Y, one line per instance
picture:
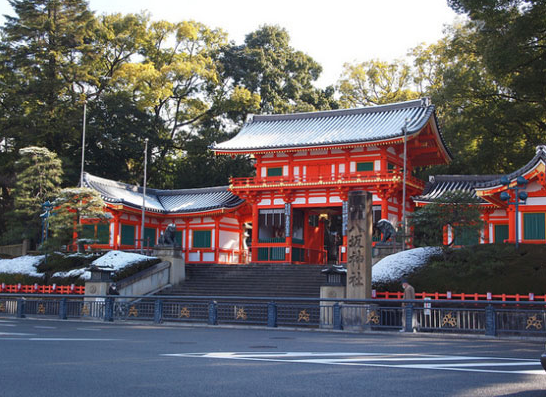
column 489, row 318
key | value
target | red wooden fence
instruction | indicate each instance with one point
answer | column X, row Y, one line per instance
column 80, row 290
column 472, row 297
column 42, row 289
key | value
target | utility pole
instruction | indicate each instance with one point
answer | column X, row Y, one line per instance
column 143, row 196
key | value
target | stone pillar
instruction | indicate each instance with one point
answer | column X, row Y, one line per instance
column 359, row 261
column 359, row 246
column 173, row 255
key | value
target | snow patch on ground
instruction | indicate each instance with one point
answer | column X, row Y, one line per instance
column 22, row 265
column 81, row 273
column 115, row 260
column 118, row 260
column 396, row 266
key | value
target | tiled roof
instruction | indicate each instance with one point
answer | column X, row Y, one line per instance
column 441, row 184
column 539, row 157
column 333, row 127
column 164, row 201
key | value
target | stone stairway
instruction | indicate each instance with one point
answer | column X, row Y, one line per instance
column 270, row 280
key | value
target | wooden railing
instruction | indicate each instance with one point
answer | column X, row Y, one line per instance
column 462, row 296
column 347, row 178
column 42, row 289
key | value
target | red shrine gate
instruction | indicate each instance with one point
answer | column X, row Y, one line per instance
column 307, row 163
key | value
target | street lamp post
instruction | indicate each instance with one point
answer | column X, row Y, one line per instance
column 520, row 197
column 83, row 141
column 143, row 196
column 405, row 130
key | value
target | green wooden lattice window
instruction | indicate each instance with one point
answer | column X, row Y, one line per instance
column 501, row 233
column 466, row 236
column 202, row 238
column 127, row 235
column 274, row 171
column 178, row 237
column 99, row 232
column 367, row 166
column 149, row 237
column 534, row 226
column 88, row 231
column 103, row 233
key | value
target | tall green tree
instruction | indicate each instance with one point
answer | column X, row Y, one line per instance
column 487, row 131
column 509, row 38
column 39, row 175
column 375, row 83
column 266, row 64
column 44, row 44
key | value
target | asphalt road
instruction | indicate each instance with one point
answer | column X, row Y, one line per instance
column 74, row 358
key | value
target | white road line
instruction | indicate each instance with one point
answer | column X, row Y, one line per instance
column 8, row 325
column 44, row 327
column 72, row 339
column 64, row 339
column 89, row 329
column 14, row 334
column 386, row 360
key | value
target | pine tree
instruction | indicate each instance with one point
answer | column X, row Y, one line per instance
column 39, row 174
column 71, row 206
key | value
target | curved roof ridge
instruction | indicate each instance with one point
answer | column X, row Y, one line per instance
column 540, row 156
column 164, row 201
column 423, row 102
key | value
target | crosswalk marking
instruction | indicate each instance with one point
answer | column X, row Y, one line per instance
column 505, row 365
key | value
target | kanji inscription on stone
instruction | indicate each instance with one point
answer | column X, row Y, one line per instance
column 359, row 245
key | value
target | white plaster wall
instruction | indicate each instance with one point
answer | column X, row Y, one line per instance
column 208, row 257
column 265, row 202
column 230, row 221
column 194, row 257
column 229, row 240
column 536, row 201
column 317, row 200
column 377, row 165
column 335, row 199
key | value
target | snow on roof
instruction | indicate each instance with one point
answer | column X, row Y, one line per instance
column 22, row 265
column 396, row 266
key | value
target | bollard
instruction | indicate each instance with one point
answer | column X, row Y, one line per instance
column 337, row 316
column 272, row 314
column 490, row 321
column 62, row 309
column 213, row 313
column 109, row 309
column 21, row 308
column 408, row 312
column 158, row 311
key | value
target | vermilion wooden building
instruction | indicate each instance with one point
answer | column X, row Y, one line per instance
column 307, row 163
column 498, row 215
column 295, row 208
column 209, row 221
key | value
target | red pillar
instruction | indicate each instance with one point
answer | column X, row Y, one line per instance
column 216, row 239
column 255, row 227
column 116, row 231
column 511, row 224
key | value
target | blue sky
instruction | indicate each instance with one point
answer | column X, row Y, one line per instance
column 332, row 32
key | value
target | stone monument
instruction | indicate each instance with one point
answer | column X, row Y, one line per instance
column 359, row 260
